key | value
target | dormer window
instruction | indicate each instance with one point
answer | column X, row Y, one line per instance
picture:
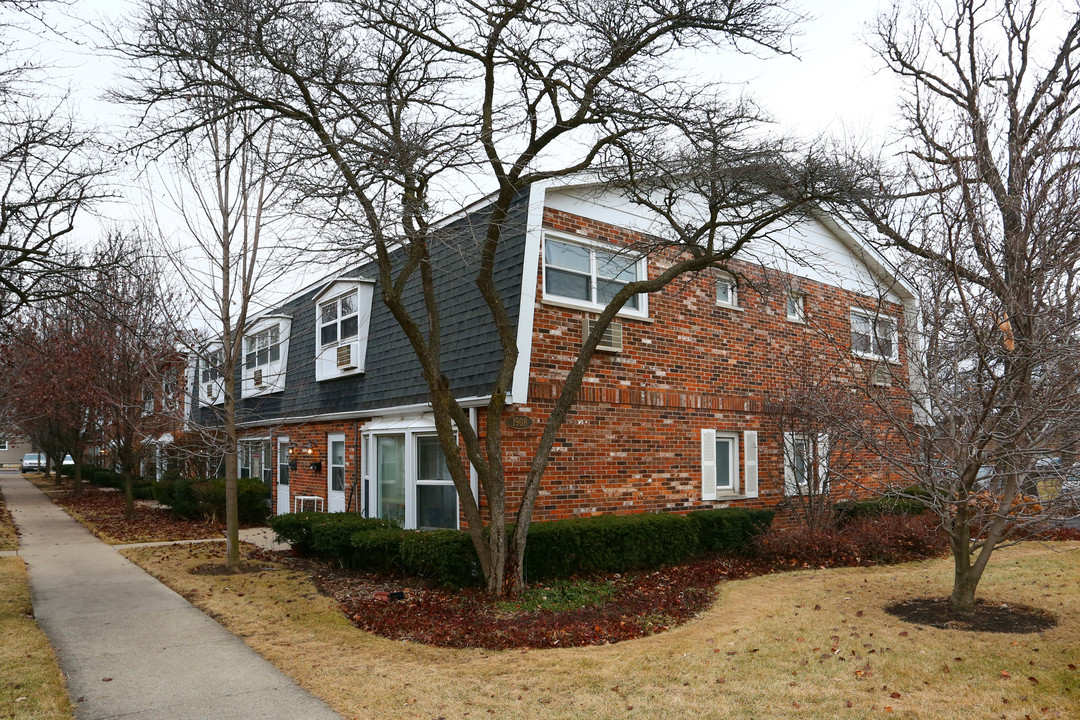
column 342, row 320
column 262, row 348
column 211, row 369
column 212, row 385
column 339, row 319
column 266, row 355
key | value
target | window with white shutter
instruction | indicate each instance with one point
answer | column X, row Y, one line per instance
column 719, row 464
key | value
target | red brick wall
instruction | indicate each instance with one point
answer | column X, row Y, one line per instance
column 632, row 443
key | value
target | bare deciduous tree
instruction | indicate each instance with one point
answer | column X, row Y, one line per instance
column 986, row 202
column 50, row 171
column 393, row 107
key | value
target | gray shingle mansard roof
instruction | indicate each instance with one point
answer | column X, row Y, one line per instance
column 392, row 377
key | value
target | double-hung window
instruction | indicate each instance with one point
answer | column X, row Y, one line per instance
column 339, row 319
column 720, row 464
column 874, row 336
column 590, row 276
column 436, row 496
column 806, row 464
column 262, row 348
column 211, row 369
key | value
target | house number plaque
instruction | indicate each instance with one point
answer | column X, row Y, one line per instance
column 519, row 422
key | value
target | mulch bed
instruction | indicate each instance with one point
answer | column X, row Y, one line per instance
column 644, row 603
column 103, row 510
column 989, row 616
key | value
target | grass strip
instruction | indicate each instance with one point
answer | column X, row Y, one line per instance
column 807, row 644
column 31, row 684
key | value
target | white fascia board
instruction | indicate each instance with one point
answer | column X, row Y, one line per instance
column 328, row 284
column 467, row 402
column 868, row 255
column 519, row 385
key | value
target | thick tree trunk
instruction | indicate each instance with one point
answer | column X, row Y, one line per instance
column 965, row 580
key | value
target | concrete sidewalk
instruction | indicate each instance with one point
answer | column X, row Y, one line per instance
column 129, row 646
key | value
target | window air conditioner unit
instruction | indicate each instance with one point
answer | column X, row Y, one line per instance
column 880, row 376
column 610, row 341
column 211, row 391
column 346, row 357
column 258, row 377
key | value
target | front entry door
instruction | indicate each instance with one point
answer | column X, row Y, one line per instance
column 335, row 473
column 283, row 477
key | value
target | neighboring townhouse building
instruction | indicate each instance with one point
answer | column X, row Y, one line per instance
column 12, row 449
column 674, row 413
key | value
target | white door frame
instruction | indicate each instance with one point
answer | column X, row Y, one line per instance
column 283, row 504
column 335, row 499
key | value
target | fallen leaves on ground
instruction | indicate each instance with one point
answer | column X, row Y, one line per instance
column 103, row 512
column 644, row 603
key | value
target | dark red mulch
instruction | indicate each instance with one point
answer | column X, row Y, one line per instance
column 989, row 616
column 644, row 603
column 104, row 509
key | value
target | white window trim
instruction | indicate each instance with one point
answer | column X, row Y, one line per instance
column 325, row 355
column 822, row 442
column 411, row 428
column 894, row 335
column 4, row 446
column 709, row 475
column 563, row 301
column 273, row 371
column 253, row 339
column 203, row 371
column 800, row 316
column 729, row 279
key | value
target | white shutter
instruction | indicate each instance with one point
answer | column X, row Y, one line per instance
column 708, row 464
column 750, row 453
column 823, row 462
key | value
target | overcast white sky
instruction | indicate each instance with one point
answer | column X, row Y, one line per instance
column 832, row 87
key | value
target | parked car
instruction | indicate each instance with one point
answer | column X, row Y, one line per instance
column 33, row 462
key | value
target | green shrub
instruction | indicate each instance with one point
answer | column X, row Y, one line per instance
column 332, row 533
column 377, row 550
column 729, row 530
column 328, row 534
column 608, row 543
column 201, row 499
column 106, row 478
column 559, row 549
column 446, row 556
column 847, row 512
column 295, row 529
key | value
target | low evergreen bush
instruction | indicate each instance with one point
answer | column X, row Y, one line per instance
column 729, row 530
column 446, row 556
column 205, row 499
column 558, row 549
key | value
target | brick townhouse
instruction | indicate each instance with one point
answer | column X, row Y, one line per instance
column 674, row 412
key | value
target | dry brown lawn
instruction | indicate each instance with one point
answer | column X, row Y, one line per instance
column 31, row 684
column 9, row 539
column 812, row 644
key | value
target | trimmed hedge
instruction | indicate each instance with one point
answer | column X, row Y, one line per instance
column 847, row 512
column 335, row 531
column 199, row 499
column 730, row 530
column 558, row 549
